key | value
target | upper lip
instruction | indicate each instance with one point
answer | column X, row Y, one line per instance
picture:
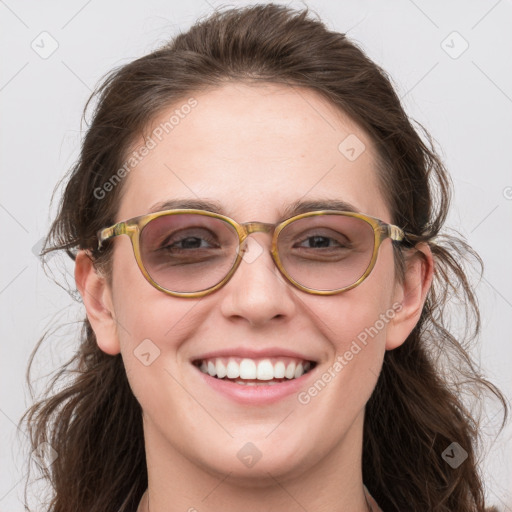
column 251, row 353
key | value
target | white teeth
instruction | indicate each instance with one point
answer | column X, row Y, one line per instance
column 233, row 370
column 246, row 369
column 265, row 370
column 279, row 369
column 221, row 369
column 290, row 371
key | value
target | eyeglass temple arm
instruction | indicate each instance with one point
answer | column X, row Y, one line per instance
column 399, row 235
column 395, row 233
column 110, row 232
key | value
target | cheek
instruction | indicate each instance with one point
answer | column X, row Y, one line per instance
column 151, row 326
column 152, row 329
column 357, row 335
column 363, row 313
column 142, row 311
column 355, row 324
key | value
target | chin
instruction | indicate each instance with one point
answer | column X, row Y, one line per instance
column 258, row 464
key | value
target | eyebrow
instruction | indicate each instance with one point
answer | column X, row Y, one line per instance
column 195, row 204
column 296, row 208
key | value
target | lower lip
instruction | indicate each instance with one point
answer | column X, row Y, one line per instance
column 259, row 394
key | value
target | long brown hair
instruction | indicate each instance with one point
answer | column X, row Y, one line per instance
column 94, row 422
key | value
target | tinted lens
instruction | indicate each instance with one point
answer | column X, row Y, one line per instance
column 326, row 252
column 188, row 252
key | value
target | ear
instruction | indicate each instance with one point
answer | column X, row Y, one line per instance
column 97, row 298
column 411, row 294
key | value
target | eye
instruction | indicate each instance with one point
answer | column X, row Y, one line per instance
column 189, row 243
column 320, row 241
column 321, row 238
column 185, row 240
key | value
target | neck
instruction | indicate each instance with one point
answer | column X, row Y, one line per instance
column 369, row 503
column 176, row 483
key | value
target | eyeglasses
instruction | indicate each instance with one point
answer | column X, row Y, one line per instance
column 191, row 253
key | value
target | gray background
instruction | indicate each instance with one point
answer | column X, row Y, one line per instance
column 463, row 99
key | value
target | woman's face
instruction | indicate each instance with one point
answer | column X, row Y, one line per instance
column 254, row 150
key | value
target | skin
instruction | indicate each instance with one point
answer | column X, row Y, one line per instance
column 253, row 148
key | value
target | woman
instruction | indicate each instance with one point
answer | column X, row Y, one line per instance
column 267, row 333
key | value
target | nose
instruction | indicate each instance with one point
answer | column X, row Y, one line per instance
column 257, row 292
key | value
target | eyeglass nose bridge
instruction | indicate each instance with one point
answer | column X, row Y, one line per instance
column 248, row 228
column 256, row 227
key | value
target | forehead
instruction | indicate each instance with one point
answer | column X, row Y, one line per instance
column 255, row 149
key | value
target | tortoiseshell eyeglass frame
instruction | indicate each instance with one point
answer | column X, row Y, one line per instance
column 133, row 228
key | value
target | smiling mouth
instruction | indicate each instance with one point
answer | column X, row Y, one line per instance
column 255, row 372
